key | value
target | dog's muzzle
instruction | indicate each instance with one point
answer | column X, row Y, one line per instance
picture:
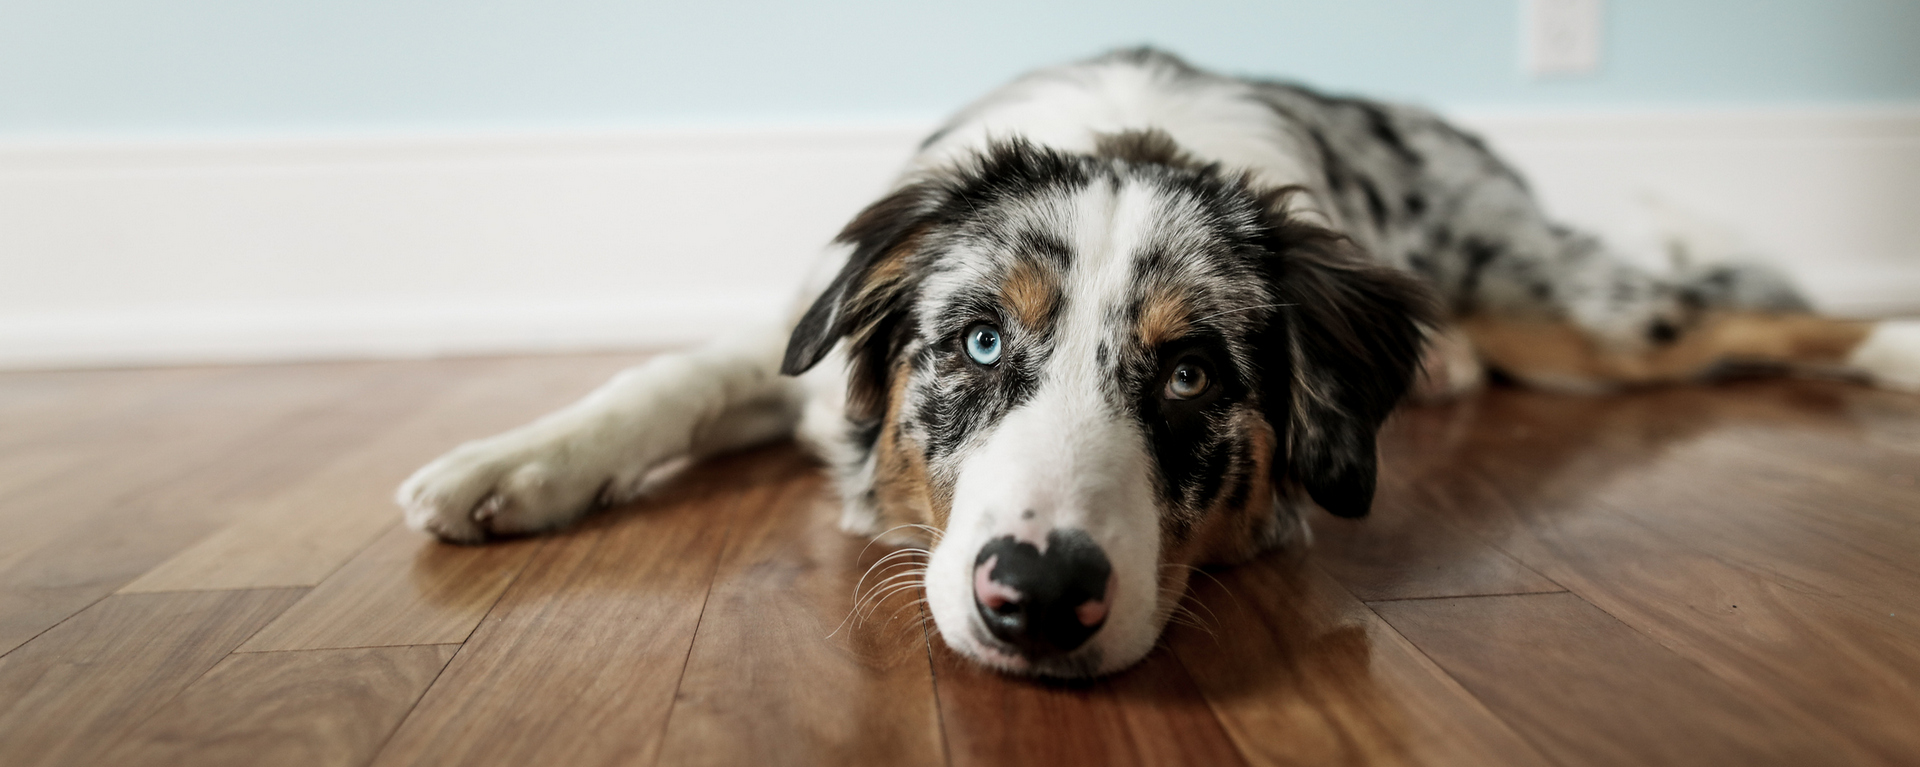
column 1043, row 601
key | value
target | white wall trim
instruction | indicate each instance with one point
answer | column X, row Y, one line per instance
column 1825, row 192
column 381, row 331
column 329, row 247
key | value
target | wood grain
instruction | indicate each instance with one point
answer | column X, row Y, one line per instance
column 68, row 694
column 1820, row 512
column 166, row 479
column 1301, row 673
column 780, row 673
column 1588, row 689
column 70, row 408
column 317, row 708
column 1621, row 519
column 302, row 534
column 1716, row 574
column 1834, row 674
column 1150, row 714
column 405, row 589
column 579, row 661
column 176, row 447
column 1414, row 544
column 1397, row 553
column 22, row 469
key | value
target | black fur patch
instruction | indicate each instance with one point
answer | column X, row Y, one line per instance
column 1339, row 356
column 1192, row 441
column 1381, row 126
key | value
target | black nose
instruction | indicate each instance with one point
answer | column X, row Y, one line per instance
column 1042, row 604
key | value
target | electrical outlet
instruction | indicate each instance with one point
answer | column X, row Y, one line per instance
column 1562, row 36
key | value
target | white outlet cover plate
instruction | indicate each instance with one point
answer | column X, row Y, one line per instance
column 1562, row 37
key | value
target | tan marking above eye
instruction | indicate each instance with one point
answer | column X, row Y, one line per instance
column 1163, row 317
column 1030, row 293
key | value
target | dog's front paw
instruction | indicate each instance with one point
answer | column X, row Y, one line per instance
column 498, row 487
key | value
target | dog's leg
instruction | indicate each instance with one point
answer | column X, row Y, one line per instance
column 1553, row 308
column 1633, row 328
column 720, row 397
column 1561, row 355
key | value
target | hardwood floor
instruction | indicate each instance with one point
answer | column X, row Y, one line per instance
column 203, row 566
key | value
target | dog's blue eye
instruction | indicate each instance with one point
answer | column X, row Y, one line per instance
column 983, row 344
column 1188, row 380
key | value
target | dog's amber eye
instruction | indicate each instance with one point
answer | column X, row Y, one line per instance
column 1188, row 380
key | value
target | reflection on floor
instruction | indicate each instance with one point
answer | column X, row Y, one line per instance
column 202, row 566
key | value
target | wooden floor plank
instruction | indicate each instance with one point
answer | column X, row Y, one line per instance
column 1588, row 689
column 1148, row 715
column 1394, row 554
column 69, row 693
column 1834, row 674
column 579, row 661
column 72, row 408
column 1301, row 673
column 178, row 447
column 87, row 531
column 21, row 469
column 1408, row 548
column 301, row 535
column 405, row 589
column 1738, row 559
column 778, row 673
column 1819, row 512
column 1631, row 513
column 317, row 708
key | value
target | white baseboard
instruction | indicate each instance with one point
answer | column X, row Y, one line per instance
column 288, row 334
column 1829, row 194
column 425, row 245
column 329, row 248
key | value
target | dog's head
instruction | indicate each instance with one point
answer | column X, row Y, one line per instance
column 1094, row 372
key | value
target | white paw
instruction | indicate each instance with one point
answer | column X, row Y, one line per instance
column 504, row 485
column 1449, row 368
column 1891, row 355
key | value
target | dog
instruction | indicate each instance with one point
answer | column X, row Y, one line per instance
column 1124, row 318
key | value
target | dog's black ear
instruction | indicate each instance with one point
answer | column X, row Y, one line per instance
column 867, row 302
column 881, row 239
column 1337, row 356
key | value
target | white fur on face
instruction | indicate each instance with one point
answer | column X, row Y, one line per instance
column 1071, row 455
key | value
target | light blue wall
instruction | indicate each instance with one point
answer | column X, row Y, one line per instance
column 225, row 67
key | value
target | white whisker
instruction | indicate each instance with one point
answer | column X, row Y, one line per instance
column 881, row 561
column 889, row 593
column 880, row 590
column 1241, row 309
column 883, row 568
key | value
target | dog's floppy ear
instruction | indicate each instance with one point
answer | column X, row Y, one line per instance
column 867, row 302
column 1337, row 355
